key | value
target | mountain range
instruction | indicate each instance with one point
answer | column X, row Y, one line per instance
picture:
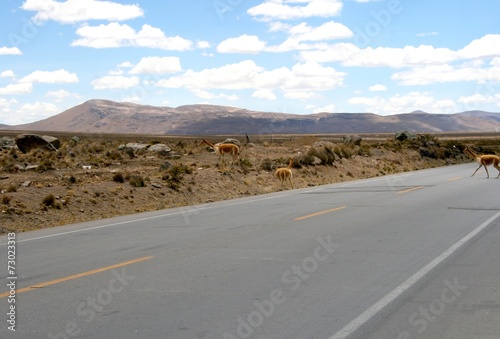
column 104, row 116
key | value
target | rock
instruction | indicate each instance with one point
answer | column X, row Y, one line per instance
column 27, row 142
column 323, row 150
column 136, row 146
column 6, row 142
column 231, row 141
column 31, row 167
column 26, row 183
column 155, row 185
column 352, row 140
column 404, row 135
column 160, row 148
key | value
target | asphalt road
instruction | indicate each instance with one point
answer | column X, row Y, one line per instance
column 413, row 255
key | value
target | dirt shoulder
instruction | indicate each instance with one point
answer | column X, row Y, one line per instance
column 91, row 179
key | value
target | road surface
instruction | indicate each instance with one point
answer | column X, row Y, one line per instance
column 412, row 255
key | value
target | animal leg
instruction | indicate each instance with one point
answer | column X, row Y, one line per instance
column 476, row 170
column 487, row 173
column 498, row 168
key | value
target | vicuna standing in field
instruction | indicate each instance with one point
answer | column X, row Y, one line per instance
column 221, row 149
column 284, row 174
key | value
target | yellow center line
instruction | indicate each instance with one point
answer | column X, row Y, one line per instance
column 451, row 179
column 319, row 213
column 410, row 189
column 76, row 276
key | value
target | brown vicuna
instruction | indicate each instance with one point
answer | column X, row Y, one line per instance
column 484, row 160
column 221, row 149
column 284, row 174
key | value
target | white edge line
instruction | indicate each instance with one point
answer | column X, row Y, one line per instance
column 185, row 210
column 391, row 296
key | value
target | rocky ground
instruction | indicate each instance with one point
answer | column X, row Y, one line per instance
column 87, row 179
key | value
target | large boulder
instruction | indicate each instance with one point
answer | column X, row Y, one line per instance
column 27, row 142
column 404, row 135
column 323, row 150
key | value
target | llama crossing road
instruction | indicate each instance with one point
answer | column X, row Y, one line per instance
column 411, row 255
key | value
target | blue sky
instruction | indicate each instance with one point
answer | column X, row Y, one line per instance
column 293, row 56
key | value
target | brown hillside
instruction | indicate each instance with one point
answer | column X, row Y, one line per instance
column 104, row 116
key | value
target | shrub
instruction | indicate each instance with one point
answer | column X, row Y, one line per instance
column 136, row 180
column 266, row 164
column 114, row 155
column 12, row 188
column 6, row 199
column 118, row 177
column 49, row 200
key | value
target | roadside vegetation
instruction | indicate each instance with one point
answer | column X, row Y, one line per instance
column 91, row 177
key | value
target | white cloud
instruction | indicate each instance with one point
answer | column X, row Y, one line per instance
column 7, row 74
column 378, row 88
column 14, row 89
column 61, row 94
column 247, row 44
column 325, row 109
column 115, row 35
column 404, row 103
column 424, row 34
column 125, row 64
column 266, row 94
column 157, row 65
column 50, row 77
column 72, row 11
column 485, row 47
column 293, row 9
column 446, row 73
column 34, row 112
column 115, row 82
column 351, row 55
column 327, row 31
column 10, row 51
column 5, row 107
column 302, row 81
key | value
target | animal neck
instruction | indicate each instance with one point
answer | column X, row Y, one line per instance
column 290, row 164
column 472, row 154
column 208, row 143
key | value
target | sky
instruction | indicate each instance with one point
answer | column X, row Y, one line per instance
column 292, row 56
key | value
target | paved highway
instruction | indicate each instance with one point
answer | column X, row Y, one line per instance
column 412, row 255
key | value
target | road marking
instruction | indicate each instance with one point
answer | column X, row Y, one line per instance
column 183, row 210
column 319, row 213
column 76, row 276
column 364, row 317
column 452, row 179
column 410, row 189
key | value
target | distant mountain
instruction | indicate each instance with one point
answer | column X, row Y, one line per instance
column 113, row 117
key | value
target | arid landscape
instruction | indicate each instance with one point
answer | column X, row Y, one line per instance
column 99, row 176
